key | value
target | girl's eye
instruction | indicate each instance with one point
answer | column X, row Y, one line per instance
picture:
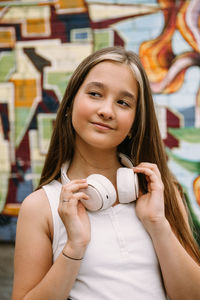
column 94, row 94
column 123, row 103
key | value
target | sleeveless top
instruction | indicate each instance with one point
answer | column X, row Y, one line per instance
column 119, row 262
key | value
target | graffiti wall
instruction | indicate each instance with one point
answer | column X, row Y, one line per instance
column 41, row 43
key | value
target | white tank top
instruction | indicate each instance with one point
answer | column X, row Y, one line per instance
column 119, row 263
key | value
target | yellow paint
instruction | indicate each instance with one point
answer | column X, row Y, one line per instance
column 36, row 26
column 11, row 209
column 6, row 38
column 71, row 4
column 25, row 92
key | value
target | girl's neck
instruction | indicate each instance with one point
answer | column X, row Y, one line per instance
column 95, row 161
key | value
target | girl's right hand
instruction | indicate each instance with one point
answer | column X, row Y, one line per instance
column 75, row 216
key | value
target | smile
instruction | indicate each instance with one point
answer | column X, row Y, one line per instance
column 102, row 126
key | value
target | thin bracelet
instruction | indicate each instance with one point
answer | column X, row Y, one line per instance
column 71, row 257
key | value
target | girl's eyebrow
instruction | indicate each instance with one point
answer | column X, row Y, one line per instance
column 128, row 95
column 102, row 86
column 95, row 84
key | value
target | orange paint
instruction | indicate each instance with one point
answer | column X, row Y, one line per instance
column 153, row 52
column 196, row 188
column 175, row 84
column 184, row 29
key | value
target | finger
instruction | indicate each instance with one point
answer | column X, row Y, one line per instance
column 69, row 190
column 69, row 203
column 79, row 186
column 151, row 166
column 76, row 197
column 154, row 179
column 74, row 187
column 154, row 182
column 76, row 181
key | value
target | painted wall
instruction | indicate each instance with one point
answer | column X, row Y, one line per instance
column 41, row 43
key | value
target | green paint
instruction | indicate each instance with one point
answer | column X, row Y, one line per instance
column 59, row 80
column 22, row 3
column 101, row 39
column 3, row 189
column 190, row 135
column 7, row 65
column 195, row 224
column 21, row 117
column 192, row 166
column 38, row 169
column 47, row 128
column 2, row 200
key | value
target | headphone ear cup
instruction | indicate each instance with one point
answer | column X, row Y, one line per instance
column 127, row 185
column 63, row 173
column 136, row 185
column 101, row 193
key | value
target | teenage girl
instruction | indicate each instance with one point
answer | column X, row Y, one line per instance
column 142, row 250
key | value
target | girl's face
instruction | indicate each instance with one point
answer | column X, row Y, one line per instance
column 105, row 105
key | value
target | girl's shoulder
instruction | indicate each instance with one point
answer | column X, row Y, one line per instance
column 35, row 209
column 35, row 201
column 38, row 200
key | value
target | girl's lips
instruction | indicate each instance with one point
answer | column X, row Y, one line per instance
column 102, row 125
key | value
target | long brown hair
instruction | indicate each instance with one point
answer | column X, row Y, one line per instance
column 145, row 143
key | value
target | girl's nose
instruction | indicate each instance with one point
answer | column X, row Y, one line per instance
column 106, row 110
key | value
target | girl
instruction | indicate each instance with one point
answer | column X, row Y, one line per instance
column 138, row 250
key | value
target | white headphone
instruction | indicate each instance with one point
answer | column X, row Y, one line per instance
column 101, row 191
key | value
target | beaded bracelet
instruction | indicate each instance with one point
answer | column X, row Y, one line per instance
column 71, row 257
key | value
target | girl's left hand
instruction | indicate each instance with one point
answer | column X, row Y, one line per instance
column 150, row 206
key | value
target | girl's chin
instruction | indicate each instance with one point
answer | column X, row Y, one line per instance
column 98, row 141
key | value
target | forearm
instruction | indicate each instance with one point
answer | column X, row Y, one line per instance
column 180, row 272
column 58, row 281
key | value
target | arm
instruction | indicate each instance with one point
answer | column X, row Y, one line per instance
column 181, row 274
column 35, row 275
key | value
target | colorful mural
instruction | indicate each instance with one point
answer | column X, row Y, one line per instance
column 41, row 43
